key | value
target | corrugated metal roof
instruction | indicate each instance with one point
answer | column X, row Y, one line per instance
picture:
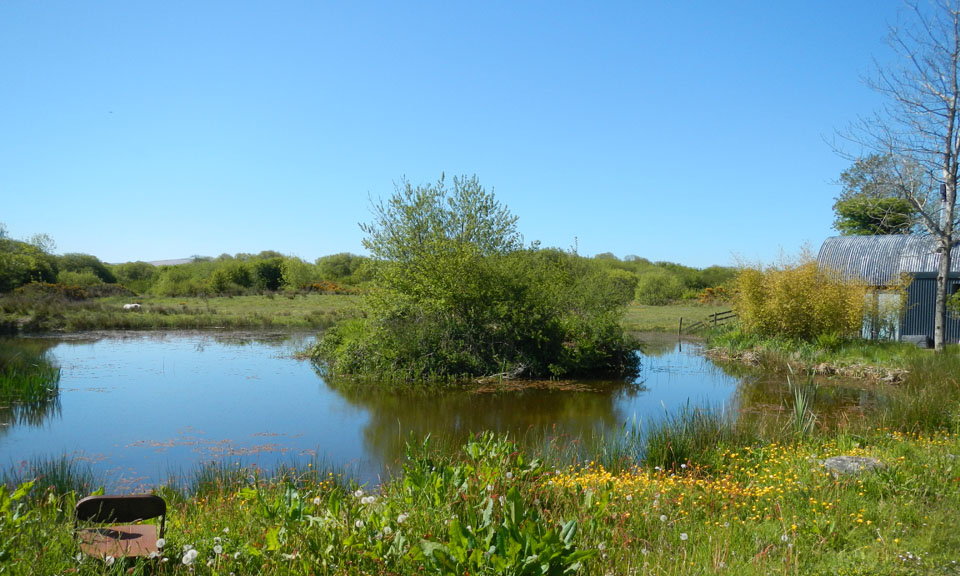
column 880, row 260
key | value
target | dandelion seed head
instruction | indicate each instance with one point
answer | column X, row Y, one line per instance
column 189, row 556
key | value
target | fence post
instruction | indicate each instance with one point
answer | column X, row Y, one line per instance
column 680, row 330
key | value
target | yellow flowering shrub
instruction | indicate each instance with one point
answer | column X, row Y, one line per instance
column 798, row 300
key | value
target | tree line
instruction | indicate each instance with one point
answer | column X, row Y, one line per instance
column 32, row 260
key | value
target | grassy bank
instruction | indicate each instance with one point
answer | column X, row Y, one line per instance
column 53, row 314
column 881, row 360
column 643, row 318
column 766, row 507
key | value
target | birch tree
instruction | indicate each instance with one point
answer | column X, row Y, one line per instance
column 919, row 127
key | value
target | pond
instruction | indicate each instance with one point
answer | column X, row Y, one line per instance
column 142, row 407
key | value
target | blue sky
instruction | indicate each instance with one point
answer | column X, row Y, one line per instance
column 692, row 132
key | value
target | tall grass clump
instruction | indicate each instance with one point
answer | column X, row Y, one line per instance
column 798, row 300
column 59, row 475
column 691, row 435
column 929, row 397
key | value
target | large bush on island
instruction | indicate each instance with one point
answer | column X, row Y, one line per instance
column 457, row 295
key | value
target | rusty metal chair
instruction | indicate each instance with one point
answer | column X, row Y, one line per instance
column 132, row 538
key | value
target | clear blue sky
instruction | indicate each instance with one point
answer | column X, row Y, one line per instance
column 692, row 132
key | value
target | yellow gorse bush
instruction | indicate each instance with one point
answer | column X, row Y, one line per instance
column 798, row 300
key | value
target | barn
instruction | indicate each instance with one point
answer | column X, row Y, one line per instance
column 881, row 262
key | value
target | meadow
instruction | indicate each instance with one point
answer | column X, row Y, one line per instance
column 295, row 310
column 51, row 313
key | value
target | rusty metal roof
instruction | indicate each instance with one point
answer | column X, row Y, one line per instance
column 881, row 260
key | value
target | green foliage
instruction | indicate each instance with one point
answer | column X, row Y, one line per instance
column 658, row 287
column 869, row 203
column 180, row 280
column 22, row 263
column 344, row 268
column 456, row 295
column 798, row 300
column 953, row 304
column 296, row 274
column 866, row 216
column 83, row 279
column 137, row 276
column 624, row 284
column 269, row 273
column 85, row 263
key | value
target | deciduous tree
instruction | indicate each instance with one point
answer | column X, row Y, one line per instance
column 869, row 202
column 919, row 127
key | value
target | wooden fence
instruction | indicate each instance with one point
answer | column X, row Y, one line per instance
column 715, row 319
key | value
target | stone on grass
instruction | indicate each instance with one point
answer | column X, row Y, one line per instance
column 847, row 465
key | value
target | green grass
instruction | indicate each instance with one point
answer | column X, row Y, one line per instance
column 278, row 310
column 256, row 311
column 643, row 318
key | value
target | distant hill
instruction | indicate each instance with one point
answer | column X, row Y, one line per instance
column 171, row 262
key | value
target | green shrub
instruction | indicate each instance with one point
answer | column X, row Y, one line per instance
column 22, row 263
column 798, row 301
column 84, row 279
column 137, row 276
column 86, row 264
column 657, row 287
column 457, row 295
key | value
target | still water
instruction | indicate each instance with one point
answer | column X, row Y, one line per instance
column 142, row 407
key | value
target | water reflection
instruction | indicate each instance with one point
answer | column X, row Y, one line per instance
column 770, row 394
column 561, row 407
column 29, row 402
column 29, row 414
column 141, row 405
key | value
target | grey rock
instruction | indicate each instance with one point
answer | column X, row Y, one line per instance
column 846, row 465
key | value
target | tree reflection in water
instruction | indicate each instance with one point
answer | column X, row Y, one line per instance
column 452, row 414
